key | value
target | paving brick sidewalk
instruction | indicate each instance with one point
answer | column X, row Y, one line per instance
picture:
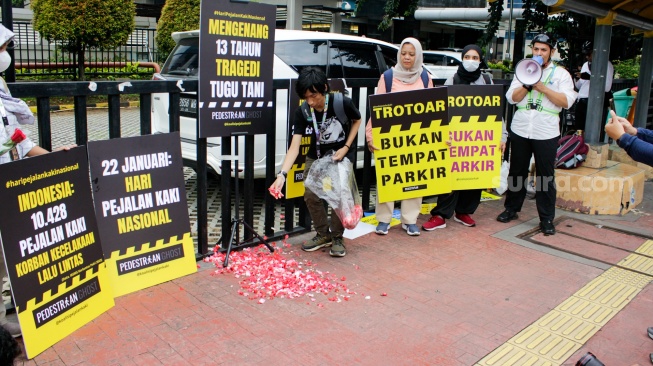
column 453, row 296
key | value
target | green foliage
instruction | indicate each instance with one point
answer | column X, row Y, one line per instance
column 393, row 9
column 627, row 69
column 495, row 10
column 80, row 25
column 176, row 16
column 85, row 24
column 131, row 71
column 505, row 66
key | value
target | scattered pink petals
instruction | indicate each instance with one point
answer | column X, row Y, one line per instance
column 384, row 294
column 198, row 266
column 282, row 216
column 264, row 275
column 343, row 278
column 276, row 193
column 181, row 288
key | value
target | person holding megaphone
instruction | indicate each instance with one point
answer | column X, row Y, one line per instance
column 540, row 93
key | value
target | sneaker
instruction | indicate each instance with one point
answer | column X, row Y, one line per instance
column 316, row 243
column 338, row 247
column 12, row 328
column 382, row 228
column 464, row 219
column 435, row 222
column 650, row 332
column 411, row 229
column 547, row 227
column 507, row 216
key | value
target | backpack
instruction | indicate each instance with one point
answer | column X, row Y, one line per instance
column 572, row 151
column 338, row 108
column 457, row 81
column 387, row 77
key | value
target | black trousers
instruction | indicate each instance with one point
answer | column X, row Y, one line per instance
column 545, row 188
column 581, row 115
column 461, row 202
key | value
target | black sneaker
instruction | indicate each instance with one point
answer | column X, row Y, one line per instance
column 507, row 216
column 316, row 243
column 650, row 332
column 547, row 227
column 338, row 247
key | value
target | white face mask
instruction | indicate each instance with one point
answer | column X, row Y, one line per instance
column 471, row 65
column 5, row 61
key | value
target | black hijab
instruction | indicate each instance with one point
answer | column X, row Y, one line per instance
column 467, row 77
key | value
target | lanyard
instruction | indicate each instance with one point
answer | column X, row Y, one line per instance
column 538, row 102
column 315, row 126
column 3, row 113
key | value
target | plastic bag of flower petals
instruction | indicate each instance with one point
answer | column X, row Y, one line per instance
column 335, row 183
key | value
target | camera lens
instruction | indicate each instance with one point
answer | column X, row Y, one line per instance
column 589, row 360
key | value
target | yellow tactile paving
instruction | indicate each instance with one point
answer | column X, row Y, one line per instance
column 646, row 248
column 553, row 338
column 638, row 263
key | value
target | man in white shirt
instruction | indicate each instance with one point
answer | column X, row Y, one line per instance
column 583, row 86
column 535, row 131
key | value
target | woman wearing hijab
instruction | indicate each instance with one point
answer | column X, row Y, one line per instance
column 462, row 204
column 406, row 75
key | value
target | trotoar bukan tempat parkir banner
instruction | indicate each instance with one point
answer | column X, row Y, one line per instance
column 140, row 204
column 475, row 123
column 411, row 129
column 235, row 76
column 51, row 246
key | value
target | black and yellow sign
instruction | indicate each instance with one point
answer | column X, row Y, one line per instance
column 235, row 76
column 411, row 129
column 475, row 113
column 141, row 209
column 52, row 247
column 295, row 180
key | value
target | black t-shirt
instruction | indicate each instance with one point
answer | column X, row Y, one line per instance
column 333, row 135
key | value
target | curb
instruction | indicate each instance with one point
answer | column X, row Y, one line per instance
column 70, row 107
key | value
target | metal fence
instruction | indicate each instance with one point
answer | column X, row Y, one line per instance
column 80, row 92
column 35, row 55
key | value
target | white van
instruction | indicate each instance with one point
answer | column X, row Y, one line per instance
column 340, row 56
column 442, row 64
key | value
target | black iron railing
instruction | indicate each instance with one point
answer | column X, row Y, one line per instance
column 80, row 92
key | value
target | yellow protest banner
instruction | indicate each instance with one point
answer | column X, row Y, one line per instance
column 475, row 126
column 410, row 130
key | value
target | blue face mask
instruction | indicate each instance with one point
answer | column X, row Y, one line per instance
column 539, row 60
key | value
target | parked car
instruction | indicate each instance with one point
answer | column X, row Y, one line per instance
column 452, row 49
column 341, row 56
column 442, row 64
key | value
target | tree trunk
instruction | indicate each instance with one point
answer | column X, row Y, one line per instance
column 80, row 63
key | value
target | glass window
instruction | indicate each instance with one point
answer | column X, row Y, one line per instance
column 358, row 59
column 434, row 59
column 452, row 61
column 389, row 56
column 301, row 54
column 335, row 64
column 184, row 58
